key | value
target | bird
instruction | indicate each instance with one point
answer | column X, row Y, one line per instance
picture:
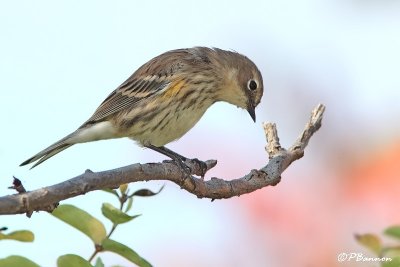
column 165, row 97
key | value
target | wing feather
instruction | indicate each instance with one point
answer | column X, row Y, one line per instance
column 127, row 95
column 150, row 79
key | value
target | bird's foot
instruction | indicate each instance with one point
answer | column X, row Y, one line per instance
column 199, row 167
column 190, row 167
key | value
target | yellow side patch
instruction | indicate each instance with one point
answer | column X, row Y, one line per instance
column 174, row 88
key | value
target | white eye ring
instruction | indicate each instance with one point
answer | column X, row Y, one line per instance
column 252, row 85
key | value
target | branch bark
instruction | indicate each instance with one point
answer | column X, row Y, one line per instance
column 46, row 198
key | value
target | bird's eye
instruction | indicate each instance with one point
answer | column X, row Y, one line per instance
column 252, row 85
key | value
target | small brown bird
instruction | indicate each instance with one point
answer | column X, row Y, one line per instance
column 166, row 97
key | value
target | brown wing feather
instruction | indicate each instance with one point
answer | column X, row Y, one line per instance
column 122, row 98
column 148, row 80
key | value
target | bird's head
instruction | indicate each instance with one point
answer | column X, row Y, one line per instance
column 242, row 83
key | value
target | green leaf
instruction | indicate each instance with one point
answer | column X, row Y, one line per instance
column 69, row 260
column 115, row 215
column 124, row 251
column 123, row 188
column 23, row 236
column 393, row 231
column 370, row 241
column 129, row 205
column 394, row 262
column 146, row 192
column 111, row 191
column 99, row 263
column 17, row 261
column 82, row 221
column 392, row 252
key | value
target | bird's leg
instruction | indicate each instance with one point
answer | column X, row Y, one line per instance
column 167, row 152
column 180, row 160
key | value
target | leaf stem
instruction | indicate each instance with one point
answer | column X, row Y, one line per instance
column 122, row 200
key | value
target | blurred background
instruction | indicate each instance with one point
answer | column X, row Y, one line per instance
column 59, row 60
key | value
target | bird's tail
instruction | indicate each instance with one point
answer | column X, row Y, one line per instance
column 85, row 133
column 50, row 151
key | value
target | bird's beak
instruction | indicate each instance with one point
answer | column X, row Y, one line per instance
column 252, row 111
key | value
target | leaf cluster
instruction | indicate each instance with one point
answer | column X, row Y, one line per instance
column 375, row 244
column 92, row 228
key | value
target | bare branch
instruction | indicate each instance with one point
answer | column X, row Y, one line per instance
column 17, row 185
column 215, row 188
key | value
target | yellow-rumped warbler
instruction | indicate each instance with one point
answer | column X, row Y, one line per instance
column 166, row 97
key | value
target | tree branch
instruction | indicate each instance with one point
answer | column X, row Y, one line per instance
column 47, row 198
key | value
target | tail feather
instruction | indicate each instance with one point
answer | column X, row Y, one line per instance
column 49, row 152
column 85, row 133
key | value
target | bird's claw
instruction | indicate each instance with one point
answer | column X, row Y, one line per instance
column 202, row 167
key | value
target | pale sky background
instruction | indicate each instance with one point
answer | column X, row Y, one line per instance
column 59, row 60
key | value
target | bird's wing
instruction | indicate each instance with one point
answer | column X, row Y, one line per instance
column 129, row 93
column 152, row 78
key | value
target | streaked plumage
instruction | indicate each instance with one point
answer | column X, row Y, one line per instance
column 166, row 97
